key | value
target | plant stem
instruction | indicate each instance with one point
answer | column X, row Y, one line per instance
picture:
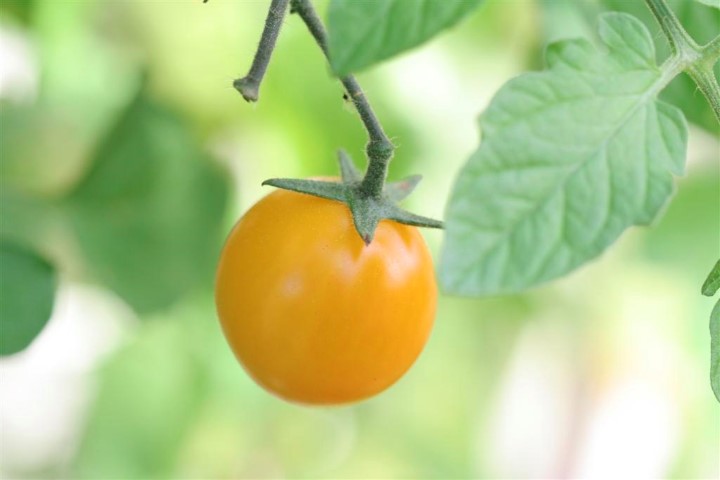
column 249, row 85
column 704, row 74
column 708, row 85
column 697, row 61
column 680, row 42
column 711, row 52
column 379, row 148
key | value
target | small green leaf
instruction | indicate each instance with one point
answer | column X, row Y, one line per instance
column 27, row 293
column 148, row 214
column 712, row 282
column 364, row 32
column 570, row 158
column 715, row 350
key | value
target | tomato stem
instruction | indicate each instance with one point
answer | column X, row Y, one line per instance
column 379, row 148
column 249, row 85
column 708, row 85
column 368, row 197
column 679, row 39
column 697, row 61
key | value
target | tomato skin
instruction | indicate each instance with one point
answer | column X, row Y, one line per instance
column 313, row 314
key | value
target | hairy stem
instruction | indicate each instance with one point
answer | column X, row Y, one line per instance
column 708, row 85
column 697, row 61
column 704, row 74
column 249, row 85
column 680, row 42
column 379, row 148
column 711, row 52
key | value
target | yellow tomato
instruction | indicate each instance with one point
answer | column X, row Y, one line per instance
column 313, row 314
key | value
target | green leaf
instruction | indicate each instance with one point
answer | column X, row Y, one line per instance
column 570, row 158
column 27, row 293
column 149, row 394
column 712, row 282
column 715, row 350
column 148, row 214
column 364, row 32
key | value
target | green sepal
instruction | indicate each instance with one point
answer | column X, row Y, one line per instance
column 400, row 190
column 367, row 211
column 348, row 171
column 712, row 282
column 393, row 212
column 319, row 188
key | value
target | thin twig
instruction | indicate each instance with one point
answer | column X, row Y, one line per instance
column 379, row 148
column 249, row 85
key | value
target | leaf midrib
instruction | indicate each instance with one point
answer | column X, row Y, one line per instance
column 643, row 99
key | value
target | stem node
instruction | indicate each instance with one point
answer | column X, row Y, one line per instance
column 380, row 150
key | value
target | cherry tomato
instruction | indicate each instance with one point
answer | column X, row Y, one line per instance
column 313, row 314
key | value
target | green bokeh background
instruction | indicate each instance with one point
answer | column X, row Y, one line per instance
column 126, row 156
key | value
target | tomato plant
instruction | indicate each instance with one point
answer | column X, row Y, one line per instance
column 120, row 160
column 509, row 226
column 313, row 313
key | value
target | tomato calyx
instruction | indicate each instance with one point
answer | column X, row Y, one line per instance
column 367, row 209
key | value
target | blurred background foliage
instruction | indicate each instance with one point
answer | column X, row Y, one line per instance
column 126, row 156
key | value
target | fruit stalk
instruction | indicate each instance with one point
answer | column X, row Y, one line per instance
column 379, row 148
column 249, row 85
